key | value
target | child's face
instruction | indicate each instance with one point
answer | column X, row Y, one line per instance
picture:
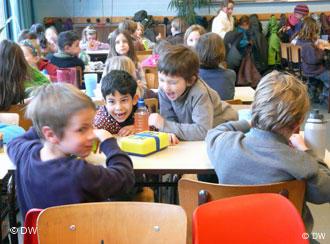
column 173, row 30
column 138, row 32
column 121, row 45
column 78, row 134
column 32, row 60
column 173, row 86
column 193, row 38
column 245, row 26
column 229, row 9
column 91, row 37
column 74, row 49
column 120, row 106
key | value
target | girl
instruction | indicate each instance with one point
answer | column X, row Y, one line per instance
column 15, row 70
column 121, row 44
column 89, row 40
column 312, row 56
column 224, row 21
column 32, row 56
column 139, row 35
column 211, row 52
column 192, row 35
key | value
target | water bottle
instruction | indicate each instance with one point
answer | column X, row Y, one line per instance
column 141, row 117
column 315, row 133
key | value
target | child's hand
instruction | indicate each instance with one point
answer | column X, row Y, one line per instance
column 158, row 37
column 126, row 131
column 140, row 84
column 102, row 134
column 173, row 139
column 297, row 141
column 156, row 120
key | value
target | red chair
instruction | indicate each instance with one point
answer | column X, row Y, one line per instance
column 30, row 224
column 265, row 218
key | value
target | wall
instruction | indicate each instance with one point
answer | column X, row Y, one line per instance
column 85, row 8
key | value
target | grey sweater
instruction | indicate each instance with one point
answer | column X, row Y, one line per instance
column 194, row 112
column 261, row 157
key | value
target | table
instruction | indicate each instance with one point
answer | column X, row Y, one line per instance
column 244, row 93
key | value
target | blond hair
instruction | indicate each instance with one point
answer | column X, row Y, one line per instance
column 120, row 63
column 281, row 102
column 200, row 29
column 54, row 104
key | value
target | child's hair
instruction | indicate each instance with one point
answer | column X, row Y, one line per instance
column 128, row 25
column 310, row 30
column 118, row 80
column 211, row 50
column 37, row 28
column 179, row 61
column 281, row 102
column 13, row 73
column 244, row 20
column 225, row 3
column 161, row 46
column 26, row 34
column 35, row 51
column 66, row 38
column 179, row 24
column 89, row 30
column 200, row 29
column 140, row 25
column 54, row 104
column 131, row 52
column 120, row 63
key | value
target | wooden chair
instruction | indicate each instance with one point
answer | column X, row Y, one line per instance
column 285, row 55
column 152, row 104
column 296, row 59
column 20, row 110
column 193, row 193
column 151, row 74
column 264, row 218
column 113, row 222
column 141, row 55
column 234, row 101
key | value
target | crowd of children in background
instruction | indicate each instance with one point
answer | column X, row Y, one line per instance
column 197, row 71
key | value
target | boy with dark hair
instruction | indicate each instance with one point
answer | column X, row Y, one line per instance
column 68, row 51
column 188, row 106
column 119, row 92
column 50, row 157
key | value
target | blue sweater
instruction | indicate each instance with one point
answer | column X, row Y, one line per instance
column 67, row 180
column 221, row 80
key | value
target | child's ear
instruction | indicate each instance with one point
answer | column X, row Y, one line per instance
column 192, row 80
column 49, row 135
column 135, row 99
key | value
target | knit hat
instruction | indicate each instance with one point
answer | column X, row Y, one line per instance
column 301, row 9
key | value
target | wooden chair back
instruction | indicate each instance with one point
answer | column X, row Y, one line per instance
column 151, row 74
column 20, row 110
column 285, row 51
column 193, row 193
column 113, row 222
column 295, row 53
column 141, row 55
column 152, row 105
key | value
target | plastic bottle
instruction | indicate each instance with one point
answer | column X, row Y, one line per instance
column 141, row 117
column 315, row 133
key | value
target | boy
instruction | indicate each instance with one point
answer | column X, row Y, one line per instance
column 51, row 169
column 270, row 152
column 119, row 92
column 67, row 55
column 178, row 28
column 188, row 106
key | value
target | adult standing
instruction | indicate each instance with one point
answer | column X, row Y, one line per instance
column 224, row 21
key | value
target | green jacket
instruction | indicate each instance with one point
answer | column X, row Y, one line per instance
column 273, row 42
column 37, row 79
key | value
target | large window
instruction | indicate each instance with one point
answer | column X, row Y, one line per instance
column 2, row 20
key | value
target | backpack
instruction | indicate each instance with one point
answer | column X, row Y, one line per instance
column 139, row 16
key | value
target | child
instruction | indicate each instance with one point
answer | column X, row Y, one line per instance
column 14, row 68
column 188, row 106
column 224, row 21
column 139, row 35
column 89, row 40
column 119, row 93
column 51, row 169
column 270, row 152
column 243, row 27
column 130, row 26
column 192, row 35
column 67, row 55
column 121, row 45
column 178, row 28
column 312, row 56
column 211, row 52
column 32, row 56
column 152, row 60
column 52, row 39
